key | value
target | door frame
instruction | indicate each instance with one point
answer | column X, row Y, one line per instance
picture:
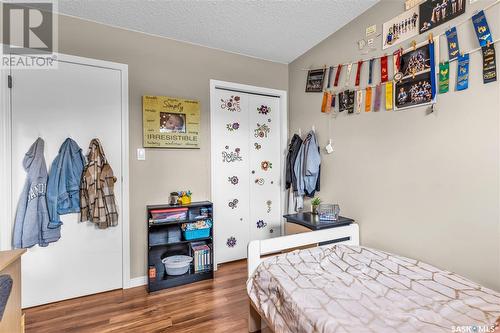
column 6, row 211
column 249, row 89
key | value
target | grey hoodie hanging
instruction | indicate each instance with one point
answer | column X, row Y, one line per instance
column 32, row 217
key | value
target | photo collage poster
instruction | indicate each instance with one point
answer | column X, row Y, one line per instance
column 415, row 88
column 400, row 28
column 436, row 12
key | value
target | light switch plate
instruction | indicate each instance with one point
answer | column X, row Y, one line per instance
column 141, row 154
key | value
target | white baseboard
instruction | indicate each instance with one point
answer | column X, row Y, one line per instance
column 136, row 282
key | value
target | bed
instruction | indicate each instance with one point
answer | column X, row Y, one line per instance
column 345, row 287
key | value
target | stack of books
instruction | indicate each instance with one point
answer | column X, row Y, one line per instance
column 202, row 256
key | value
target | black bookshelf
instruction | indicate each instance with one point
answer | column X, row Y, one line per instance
column 160, row 247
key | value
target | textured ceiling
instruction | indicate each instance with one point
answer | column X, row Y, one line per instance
column 268, row 29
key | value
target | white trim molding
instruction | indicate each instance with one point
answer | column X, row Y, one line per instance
column 137, row 282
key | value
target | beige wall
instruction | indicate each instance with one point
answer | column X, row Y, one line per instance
column 423, row 186
column 159, row 66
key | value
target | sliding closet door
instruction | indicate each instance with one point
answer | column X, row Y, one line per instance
column 82, row 102
column 246, row 174
column 231, row 193
column 265, row 167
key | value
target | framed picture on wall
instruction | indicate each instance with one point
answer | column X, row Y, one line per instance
column 315, row 80
column 415, row 88
column 436, row 12
column 170, row 122
column 400, row 28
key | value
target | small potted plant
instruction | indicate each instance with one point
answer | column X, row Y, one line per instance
column 315, row 204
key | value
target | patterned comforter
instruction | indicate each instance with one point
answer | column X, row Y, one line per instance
column 357, row 289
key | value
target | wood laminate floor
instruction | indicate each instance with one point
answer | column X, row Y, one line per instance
column 218, row 305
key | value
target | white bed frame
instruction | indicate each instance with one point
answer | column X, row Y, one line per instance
column 259, row 248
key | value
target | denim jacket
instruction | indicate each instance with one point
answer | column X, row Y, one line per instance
column 63, row 188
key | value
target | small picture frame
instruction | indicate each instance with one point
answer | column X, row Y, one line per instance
column 315, row 80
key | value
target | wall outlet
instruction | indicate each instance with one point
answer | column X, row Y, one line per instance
column 141, row 154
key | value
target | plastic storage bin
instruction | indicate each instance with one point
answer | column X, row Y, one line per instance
column 196, row 234
column 328, row 212
column 177, row 265
column 168, row 215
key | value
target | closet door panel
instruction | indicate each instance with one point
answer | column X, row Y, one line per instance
column 265, row 166
column 82, row 102
column 230, row 152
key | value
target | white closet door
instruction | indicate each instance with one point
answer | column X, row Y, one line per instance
column 82, row 102
column 230, row 154
column 246, row 161
column 265, row 167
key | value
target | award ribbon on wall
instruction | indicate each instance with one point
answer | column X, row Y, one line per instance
column 332, row 103
column 489, row 63
column 368, row 99
column 330, row 72
column 444, row 77
column 433, row 67
column 337, row 75
column 350, row 101
column 482, row 29
column 359, row 100
column 325, row 107
column 384, row 75
column 378, row 93
column 358, row 72
column 397, row 65
column 370, row 71
column 328, row 103
column 388, row 96
column 463, row 72
column 453, row 47
column 348, row 75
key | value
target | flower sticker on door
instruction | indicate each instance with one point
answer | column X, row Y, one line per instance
column 231, row 104
column 264, row 109
column 257, row 146
column 231, row 242
column 233, row 204
column 261, row 224
column 231, row 156
column 261, row 131
column 232, row 126
column 259, row 181
column 269, row 203
column 233, row 180
column 266, row 165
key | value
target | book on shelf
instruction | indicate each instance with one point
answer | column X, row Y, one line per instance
column 202, row 256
